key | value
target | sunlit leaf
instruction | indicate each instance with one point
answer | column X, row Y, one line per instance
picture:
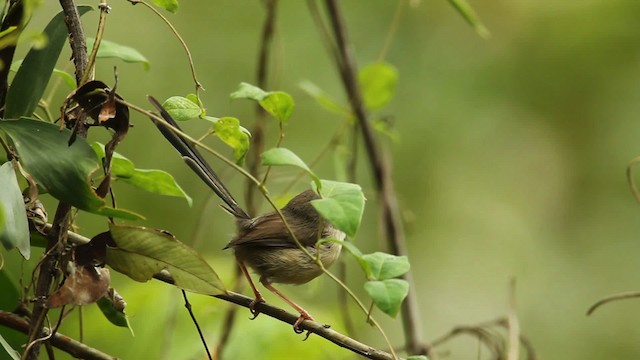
column 342, row 204
column 181, row 108
column 169, row 5
column 228, row 130
column 386, row 266
column 14, row 228
column 467, row 12
column 151, row 180
column 387, row 294
column 378, row 83
column 142, row 252
column 62, row 169
column 283, row 156
column 109, row 49
column 277, row 103
column 33, row 76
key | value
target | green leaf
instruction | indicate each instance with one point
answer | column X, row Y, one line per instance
column 63, row 170
column 33, row 76
column 169, row 5
column 65, row 76
column 143, row 252
column 342, row 204
column 386, row 266
column 248, row 91
column 283, row 156
column 151, row 180
column 354, row 251
column 228, row 130
column 388, row 294
column 323, row 99
column 277, row 103
column 417, row 357
column 470, row 16
column 181, row 108
column 12, row 353
column 378, row 82
column 15, row 227
column 109, row 49
column 112, row 306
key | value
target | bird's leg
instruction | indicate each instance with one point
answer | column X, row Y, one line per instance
column 304, row 315
column 256, row 292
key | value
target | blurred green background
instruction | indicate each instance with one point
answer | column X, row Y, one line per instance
column 510, row 163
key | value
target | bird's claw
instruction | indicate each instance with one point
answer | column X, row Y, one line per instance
column 252, row 306
column 296, row 325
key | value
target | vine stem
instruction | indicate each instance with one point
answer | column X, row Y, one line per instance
column 180, row 39
column 381, row 174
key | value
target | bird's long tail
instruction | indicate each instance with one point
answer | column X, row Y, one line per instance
column 196, row 162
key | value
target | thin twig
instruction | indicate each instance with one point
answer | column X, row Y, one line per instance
column 90, row 72
column 182, row 42
column 381, row 174
column 62, row 342
column 393, row 29
column 513, row 325
column 614, row 297
column 187, row 305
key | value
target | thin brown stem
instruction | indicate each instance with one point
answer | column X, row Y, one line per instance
column 381, row 174
column 198, row 85
column 90, row 71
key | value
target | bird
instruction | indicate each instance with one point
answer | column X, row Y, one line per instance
column 265, row 243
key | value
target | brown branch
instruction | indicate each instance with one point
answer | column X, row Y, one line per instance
column 62, row 342
column 264, row 308
column 56, row 239
column 381, row 174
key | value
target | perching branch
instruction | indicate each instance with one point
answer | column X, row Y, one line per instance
column 381, row 174
column 266, row 309
column 62, row 342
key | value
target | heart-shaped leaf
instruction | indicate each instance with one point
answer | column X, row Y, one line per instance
column 283, row 156
column 342, row 204
column 387, row 294
column 386, row 266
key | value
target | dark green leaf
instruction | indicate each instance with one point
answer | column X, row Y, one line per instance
column 283, row 156
column 8, row 302
column 63, row 170
column 125, row 53
column 155, row 181
column 114, row 316
column 181, row 108
column 228, row 130
column 470, row 16
column 378, row 82
column 143, row 252
column 169, row 5
column 14, row 230
column 387, row 294
column 386, row 266
column 33, row 76
column 342, row 204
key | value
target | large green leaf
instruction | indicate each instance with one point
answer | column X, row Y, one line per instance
column 386, row 266
column 142, row 252
column 125, row 53
column 14, row 230
column 181, row 108
column 152, row 180
column 388, row 294
column 33, row 76
column 342, row 204
column 63, row 170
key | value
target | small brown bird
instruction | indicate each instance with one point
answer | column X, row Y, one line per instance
column 264, row 243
